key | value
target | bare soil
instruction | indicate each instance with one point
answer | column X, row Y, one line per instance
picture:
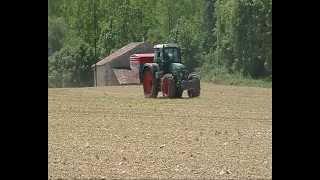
column 114, row 133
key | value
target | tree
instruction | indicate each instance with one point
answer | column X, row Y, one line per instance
column 56, row 34
column 244, row 36
column 71, row 66
column 188, row 38
column 208, row 26
column 233, row 35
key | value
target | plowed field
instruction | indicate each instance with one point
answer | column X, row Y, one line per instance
column 113, row 132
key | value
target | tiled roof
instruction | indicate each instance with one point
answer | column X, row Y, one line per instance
column 118, row 53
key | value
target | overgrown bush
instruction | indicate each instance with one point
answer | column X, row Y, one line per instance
column 71, row 66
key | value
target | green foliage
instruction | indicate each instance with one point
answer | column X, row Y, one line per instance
column 71, row 66
column 56, row 34
column 209, row 26
column 217, row 37
column 187, row 35
column 220, row 75
column 244, row 36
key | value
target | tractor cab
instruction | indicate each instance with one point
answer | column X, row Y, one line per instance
column 165, row 54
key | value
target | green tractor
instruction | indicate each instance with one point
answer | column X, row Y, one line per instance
column 163, row 71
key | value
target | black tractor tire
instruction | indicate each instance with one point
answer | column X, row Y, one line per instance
column 179, row 92
column 150, row 90
column 195, row 91
column 171, row 86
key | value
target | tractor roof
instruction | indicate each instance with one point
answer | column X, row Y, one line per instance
column 165, row 45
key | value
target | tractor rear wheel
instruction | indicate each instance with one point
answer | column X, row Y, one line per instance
column 168, row 86
column 149, row 85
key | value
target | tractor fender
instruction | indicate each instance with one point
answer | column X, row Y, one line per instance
column 154, row 67
column 194, row 75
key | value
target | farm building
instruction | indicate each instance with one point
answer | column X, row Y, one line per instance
column 115, row 69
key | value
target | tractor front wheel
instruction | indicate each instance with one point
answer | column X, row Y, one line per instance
column 195, row 91
column 168, row 86
column 179, row 92
column 149, row 84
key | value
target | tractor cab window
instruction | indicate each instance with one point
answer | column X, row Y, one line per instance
column 171, row 54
